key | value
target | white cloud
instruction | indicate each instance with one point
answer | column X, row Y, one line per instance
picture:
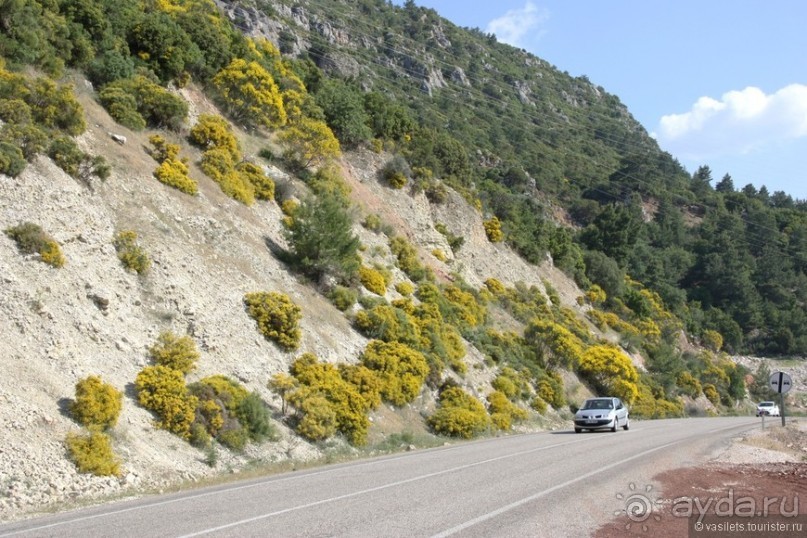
column 514, row 25
column 741, row 122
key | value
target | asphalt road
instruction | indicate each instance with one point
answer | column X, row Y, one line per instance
column 543, row 484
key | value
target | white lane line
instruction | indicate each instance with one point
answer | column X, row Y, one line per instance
column 190, row 497
column 377, row 488
column 525, row 500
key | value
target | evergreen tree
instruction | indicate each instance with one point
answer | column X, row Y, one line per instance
column 321, row 237
column 725, row 185
column 760, row 388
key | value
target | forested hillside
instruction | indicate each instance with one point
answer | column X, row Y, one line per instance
column 559, row 161
column 563, row 165
column 246, row 221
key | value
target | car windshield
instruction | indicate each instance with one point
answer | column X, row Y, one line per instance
column 766, row 404
column 598, row 404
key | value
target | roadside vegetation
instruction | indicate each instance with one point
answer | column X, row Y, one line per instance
column 661, row 254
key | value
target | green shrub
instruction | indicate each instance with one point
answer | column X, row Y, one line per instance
column 342, row 298
column 122, row 106
column 97, row 404
column 459, row 414
column 15, row 111
column 162, row 390
column 199, row 437
column 539, row 404
column 437, row 193
column 397, row 172
column 234, row 436
column 373, row 280
column 504, row 385
column 440, row 341
column 131, row 255
column 28, row 138
column 408, row 261
column 66, row 154
column 254, row 416
column 55, row 107
column 515, row 385
column 277, row 317
column 31, row 239
column 12, row 159
column 372, row 222
column 154, row 104
column 110, row 66
column 176, row 352
column 92, row 453
column 401, row 369
column 552, row 293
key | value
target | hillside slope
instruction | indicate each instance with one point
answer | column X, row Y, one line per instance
column 93, row 317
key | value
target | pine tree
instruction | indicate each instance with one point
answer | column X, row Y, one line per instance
column 322, row 239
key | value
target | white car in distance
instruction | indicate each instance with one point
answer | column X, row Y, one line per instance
column 767, row 408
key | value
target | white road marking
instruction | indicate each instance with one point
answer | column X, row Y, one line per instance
column 191, row 497
column 525, row 500
column 377, row 488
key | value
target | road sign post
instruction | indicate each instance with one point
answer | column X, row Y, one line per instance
column 781, row 383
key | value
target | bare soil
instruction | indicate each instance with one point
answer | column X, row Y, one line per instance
column 723, row 487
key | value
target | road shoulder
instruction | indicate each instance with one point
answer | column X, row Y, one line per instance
column 760, row 467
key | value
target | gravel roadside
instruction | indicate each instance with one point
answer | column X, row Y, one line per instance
column 762, row 466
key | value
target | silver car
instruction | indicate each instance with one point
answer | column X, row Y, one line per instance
column 601, row 413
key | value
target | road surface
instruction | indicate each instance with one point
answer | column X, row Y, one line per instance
column 542, row 484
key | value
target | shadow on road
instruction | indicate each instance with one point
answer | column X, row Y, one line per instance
column 572, row 432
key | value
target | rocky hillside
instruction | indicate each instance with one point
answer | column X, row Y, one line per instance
column 473, row 191
column 92, row 317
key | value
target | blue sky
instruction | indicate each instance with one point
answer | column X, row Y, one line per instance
column 717, row 82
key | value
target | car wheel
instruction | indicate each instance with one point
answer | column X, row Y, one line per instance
column 616, row 423
column 626, row 427
column 578, row 430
